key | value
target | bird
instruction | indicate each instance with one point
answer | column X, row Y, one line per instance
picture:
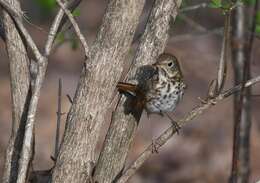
column 159, row 88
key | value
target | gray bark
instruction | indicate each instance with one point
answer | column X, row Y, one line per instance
column 241, row 56
column 123, row 126
column 20, row 81
column 95, row 89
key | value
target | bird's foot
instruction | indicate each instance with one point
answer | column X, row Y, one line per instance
column 176, row 126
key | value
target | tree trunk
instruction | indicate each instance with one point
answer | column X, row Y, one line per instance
column 95, row 89
column 122, row 128
column 20, row 81
column 241, row 56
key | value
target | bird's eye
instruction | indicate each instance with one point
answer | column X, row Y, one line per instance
column 170, row 64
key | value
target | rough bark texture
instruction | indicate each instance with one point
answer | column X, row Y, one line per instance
column 122, row 128
column 95, row 89
column 20, row 80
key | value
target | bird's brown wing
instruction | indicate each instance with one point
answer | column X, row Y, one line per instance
column 145, row 73
column 145, row 76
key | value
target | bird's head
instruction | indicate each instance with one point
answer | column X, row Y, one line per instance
column 170, row 66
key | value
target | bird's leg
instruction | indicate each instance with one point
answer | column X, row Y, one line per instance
column 154, row 145
column 161, row 113
column 175, row 125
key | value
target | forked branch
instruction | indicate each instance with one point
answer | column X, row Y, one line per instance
column 76, row 27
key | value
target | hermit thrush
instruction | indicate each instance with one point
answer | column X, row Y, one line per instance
column 159, row 86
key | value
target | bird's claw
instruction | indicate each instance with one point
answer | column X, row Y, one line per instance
column 176, row 126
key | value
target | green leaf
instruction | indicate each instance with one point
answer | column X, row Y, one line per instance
column 60, row 37
column 47, row 5
column 226, row 5
column 74, row 43
column 215, row 4
column 184, row 4
column 257, row 29
column 257, row 17
column 76, row 13
column 249, row 2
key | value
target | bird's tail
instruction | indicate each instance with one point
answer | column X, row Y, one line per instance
column 135, row 99
column 127, row 88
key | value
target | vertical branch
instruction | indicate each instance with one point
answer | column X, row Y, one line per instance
column 59, row 114
column 20, row 81
column 123, row 126
column 222, row 69
column 241, row 55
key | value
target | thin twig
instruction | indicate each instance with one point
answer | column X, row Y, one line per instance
column 222, row 69
column 194, row 7
column 69, row 98
column 168, row 133
column 59, row 114
column 76, row 27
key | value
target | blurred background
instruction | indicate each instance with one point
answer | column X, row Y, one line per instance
column 202, row 152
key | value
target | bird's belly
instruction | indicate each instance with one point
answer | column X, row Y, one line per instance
column 164, row 102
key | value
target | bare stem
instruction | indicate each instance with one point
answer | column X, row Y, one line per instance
column 59, row 114
column 222, row 69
